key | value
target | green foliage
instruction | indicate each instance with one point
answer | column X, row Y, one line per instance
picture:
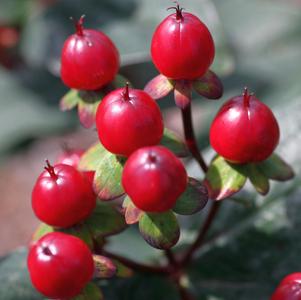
column 174, row 143
column 160, row 230
column 90, row 292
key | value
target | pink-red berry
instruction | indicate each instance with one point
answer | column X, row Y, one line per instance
column 154, row 178
column 182, row 46
column 289, row 288
column 62, row 196
column 89, row 59
column 60, row 265
column 244, row 130
column 128, row 119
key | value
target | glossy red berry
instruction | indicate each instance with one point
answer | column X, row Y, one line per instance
column 89, row 60
column 154, row 178
column 244, row 130
column 128, row 119
column 60, row 265
column 289, row 288
column 72, row 158
column 182, row 46
column 62, row 196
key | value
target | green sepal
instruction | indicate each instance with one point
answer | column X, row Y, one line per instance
column 132, row 214
column 258, row 179
column 90, row 292
column 224, row 179
column 160, row 230
column 276, row 168
column 105, row 220
column 122, row 271
column 174, row 143
column 194, row 198
column 40, row 231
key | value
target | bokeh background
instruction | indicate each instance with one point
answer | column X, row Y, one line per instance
column 256, row 240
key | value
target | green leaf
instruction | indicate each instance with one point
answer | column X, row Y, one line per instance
column 174, row 143
column 105, row 220
column 90, row 292
column 224, row 179
column 122, row 271
column 92, row 157
column 209, row 86
column 41, row 231
column 160, row 230
column 193, row 199
column 132, row 213
column 275, row 168
column 104, row 267
column 159, row 87
column 119, row 81
column 69, row 100
column 259, row 180
column 107, row 179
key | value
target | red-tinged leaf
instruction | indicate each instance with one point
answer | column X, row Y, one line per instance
column 69, row 100
column 160, row 230
column 87, row 112
column 276, row 168
column 104, row 267
column 159, row 87
column 209, row 86
column 182, row 93
column 224, row 179
column 132, row 213
column 193, row 199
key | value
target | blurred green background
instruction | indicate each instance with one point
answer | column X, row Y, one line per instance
column 255, row 241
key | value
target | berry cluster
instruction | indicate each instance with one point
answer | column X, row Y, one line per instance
column 136, row 159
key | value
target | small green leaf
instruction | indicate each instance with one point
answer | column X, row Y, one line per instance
column 104, row 267
column 209, row 86
column 224, row 179
column 122, row 271
column 90, row 292
column 182, row 93
column 105, row 220
column 92, row 157
column 259, row 180
column 159, row 87
column 107, row 179
column 41, row 231
column 174, row 143
column 119, row 81
column 275, row 168
column 160, row 230
column 87, row 112
column 70, row 100
column 193, row 199
column 132, row 213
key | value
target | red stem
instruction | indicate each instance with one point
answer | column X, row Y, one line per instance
column 246, row 96
column 79, row 25
column 50, row 169
column 126, row 92
column 179, row 15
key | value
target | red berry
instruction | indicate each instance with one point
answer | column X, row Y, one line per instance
column 182, row 46
column 128, row 119
column 60, row 265
column 62, row 196
column 72, row 158
column 244, row 130
column 90, row 60
column 154, row 178
column 289, row 288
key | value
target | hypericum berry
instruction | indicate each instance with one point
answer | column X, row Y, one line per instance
column 289, row 288
column 182, row 46
column 244, row 130
column 72, row 157
column 89, row 60
column 60, row 265
column 62, row 196
column 154, row 178
column 128, row 119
